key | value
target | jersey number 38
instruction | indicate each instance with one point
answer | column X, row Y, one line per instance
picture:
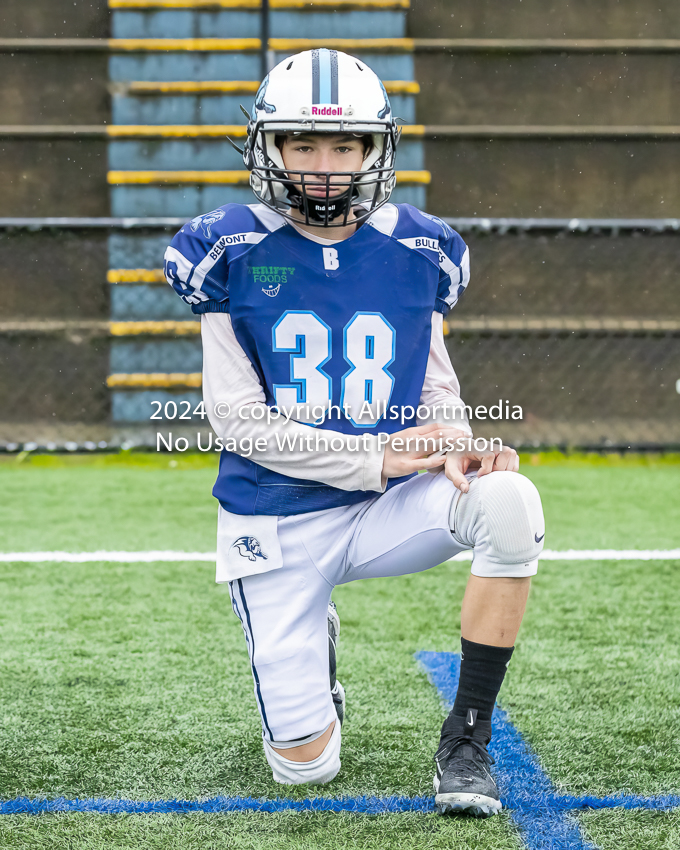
column 369, row 342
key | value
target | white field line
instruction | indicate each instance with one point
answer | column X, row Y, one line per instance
column 153, row 556
column 102, row 556
column 598, row 555
column 610, row 555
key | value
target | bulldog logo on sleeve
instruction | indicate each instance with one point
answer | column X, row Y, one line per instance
column 205, row 222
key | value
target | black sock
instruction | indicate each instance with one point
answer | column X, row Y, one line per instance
column 482, row 670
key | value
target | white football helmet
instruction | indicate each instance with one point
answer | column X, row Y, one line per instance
column 322, row 91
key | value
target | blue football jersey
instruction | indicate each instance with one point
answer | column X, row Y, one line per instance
column 344, row 328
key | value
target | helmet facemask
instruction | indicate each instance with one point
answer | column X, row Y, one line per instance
column 284, row 189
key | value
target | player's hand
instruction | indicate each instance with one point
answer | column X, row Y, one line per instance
column 402, row 457
column 459, row 462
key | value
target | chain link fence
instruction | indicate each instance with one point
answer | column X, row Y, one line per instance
column 609, row 376
column 575, row 388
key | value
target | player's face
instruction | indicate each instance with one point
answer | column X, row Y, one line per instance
column 328, row 154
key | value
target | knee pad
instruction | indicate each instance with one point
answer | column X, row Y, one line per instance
column 501, row 518
column 317, row 772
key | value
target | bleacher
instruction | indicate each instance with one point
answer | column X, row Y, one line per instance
column 178, row 87
column 548, row 137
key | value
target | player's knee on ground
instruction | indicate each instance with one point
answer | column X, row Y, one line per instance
column 501, row 517
column 317, row 772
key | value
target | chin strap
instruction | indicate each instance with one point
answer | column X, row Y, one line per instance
column 321, row 209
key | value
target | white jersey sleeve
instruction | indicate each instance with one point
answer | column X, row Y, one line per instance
column 229, row 378
column 441, row 390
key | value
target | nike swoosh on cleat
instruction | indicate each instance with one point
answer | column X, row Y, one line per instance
column 537, row 538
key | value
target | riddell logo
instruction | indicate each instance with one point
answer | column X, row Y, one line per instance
column 327, row 110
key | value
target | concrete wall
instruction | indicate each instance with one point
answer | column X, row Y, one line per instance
column 544, row 19
column 54, row 19
column 58, row 177
column 559, row 178
column 54, row 88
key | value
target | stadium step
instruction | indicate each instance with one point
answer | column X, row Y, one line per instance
column 192, row 327
column 181, row 193
column 291, row 22
column 304, row 5
column 203, row 59
column 214, row 102
column 156, row 380
column 421, row 131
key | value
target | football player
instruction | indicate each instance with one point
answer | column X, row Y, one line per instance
column 321, row 316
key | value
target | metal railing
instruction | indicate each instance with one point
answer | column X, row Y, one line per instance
column 611, row 226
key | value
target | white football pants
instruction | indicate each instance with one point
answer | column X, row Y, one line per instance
column 283, row 612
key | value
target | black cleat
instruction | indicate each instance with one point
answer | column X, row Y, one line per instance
column 337, row 691
column 463, row 782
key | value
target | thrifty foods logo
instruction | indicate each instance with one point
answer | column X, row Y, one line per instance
column 271, row 277
column 327, row 110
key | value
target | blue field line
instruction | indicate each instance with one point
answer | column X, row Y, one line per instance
column 541, row 814
column 217, row 805
column 355, row 805
column 661, row 803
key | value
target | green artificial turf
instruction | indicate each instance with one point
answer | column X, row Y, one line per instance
column 148, row 501
column 286, row 831
column 133, row 680
column 133, row 502
column 611, row 830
